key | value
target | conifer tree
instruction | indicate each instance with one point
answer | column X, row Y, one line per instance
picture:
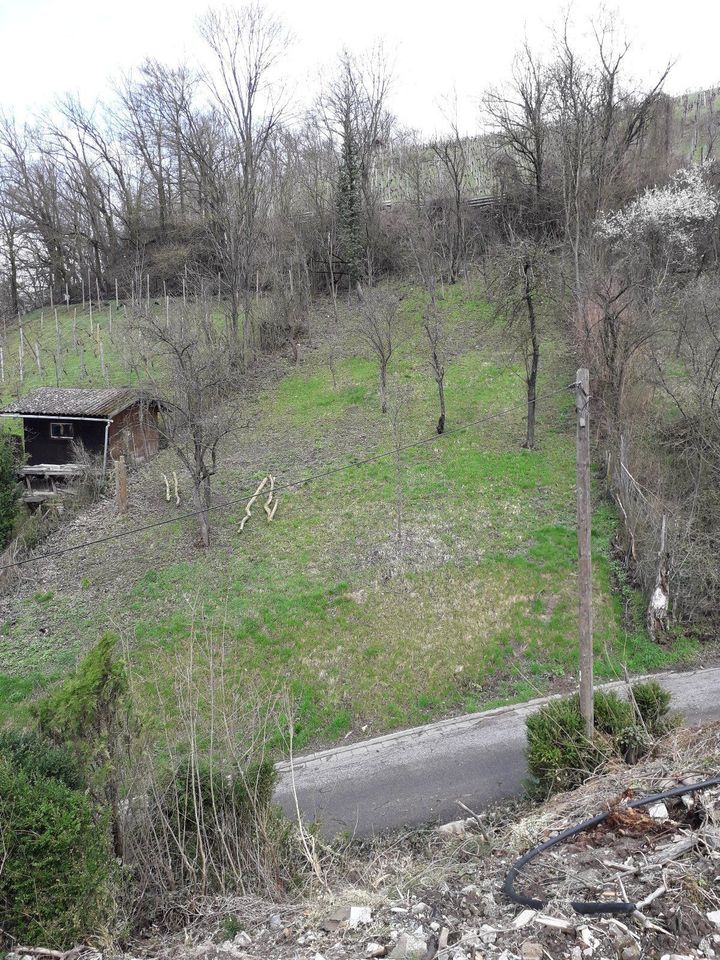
column 349, row 205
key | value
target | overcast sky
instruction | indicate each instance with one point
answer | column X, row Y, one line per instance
column 51, row 47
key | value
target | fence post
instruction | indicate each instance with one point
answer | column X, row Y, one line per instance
column 582, row 408
column 121, row 492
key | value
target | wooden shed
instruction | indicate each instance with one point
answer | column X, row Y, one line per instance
column 108, row 422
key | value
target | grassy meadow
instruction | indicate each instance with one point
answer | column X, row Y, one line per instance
column 433, row 581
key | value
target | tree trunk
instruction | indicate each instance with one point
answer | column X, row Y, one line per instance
column 247, row 325
column 13, row 275
column 458, row 239
column 201, row 502
column 441, row 394
column 234, row 310
column 383, row 387
column 534, row 362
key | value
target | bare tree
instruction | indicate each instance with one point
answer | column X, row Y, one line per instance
column 519, row 115
column 452, row 154
column 420, row 238
column 247, row 44
column 10, row 237
column 434, row 329
column 187, row 365
column 521, row 267
column 599, row 122
column 379, row 326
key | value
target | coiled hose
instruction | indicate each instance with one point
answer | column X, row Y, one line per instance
column 580, row 906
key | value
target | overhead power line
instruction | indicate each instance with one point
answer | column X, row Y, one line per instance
column 301, row 481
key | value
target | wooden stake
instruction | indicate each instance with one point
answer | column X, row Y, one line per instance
column 147, row 276
column 97, row 290
column 21, row 353
column 82, row 284
column 121, row 492
column 58, row 350
column 102, row 361
column 38, row 361
column 117, row 301
column 584, row 529
column 2, row 366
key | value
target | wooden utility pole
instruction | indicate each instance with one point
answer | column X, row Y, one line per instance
column 121, row 492
column 582, row 407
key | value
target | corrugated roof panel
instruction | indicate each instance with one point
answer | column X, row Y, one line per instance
column 72, row 402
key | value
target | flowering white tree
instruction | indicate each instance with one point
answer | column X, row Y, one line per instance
column 666, row 220
column 648, row 317
column 645, row 252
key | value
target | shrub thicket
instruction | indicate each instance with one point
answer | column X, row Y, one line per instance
column 83, row 710
column 559, row 754
column 58, row 809
column 198, row 821
column 205, row 828
column 55, row 880
column 8, row 492
column 39, row 759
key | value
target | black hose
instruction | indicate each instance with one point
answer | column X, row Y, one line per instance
column 589, row 907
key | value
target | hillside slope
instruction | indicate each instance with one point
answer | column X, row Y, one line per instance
column 473, row 603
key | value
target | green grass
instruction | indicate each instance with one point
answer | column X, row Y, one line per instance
column 77, row 366
column 479, row 609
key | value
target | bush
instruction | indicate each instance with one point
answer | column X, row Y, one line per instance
column 612, row 715
column 653, row 704
column 215, row 810
column 83, row 709
column 8, row 492
column 56, row 873
column 38, row 758
column 559, row 755
column 240, row 795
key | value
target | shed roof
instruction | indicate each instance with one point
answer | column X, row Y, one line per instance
column 72, row 402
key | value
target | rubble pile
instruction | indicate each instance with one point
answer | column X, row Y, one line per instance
column 437, row 895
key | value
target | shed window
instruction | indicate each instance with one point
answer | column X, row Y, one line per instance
column 62, row 431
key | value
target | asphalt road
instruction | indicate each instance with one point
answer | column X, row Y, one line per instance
column 417, row 776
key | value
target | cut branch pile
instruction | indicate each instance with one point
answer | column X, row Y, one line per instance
column 271, row 503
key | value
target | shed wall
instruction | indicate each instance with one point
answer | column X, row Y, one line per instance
column 41, row 447
column 134, row 434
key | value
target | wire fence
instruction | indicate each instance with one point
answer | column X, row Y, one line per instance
column 243, row 495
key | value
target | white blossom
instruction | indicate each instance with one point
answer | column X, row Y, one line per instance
column 669, row 215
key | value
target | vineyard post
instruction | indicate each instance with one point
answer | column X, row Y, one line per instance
column 584, row 529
